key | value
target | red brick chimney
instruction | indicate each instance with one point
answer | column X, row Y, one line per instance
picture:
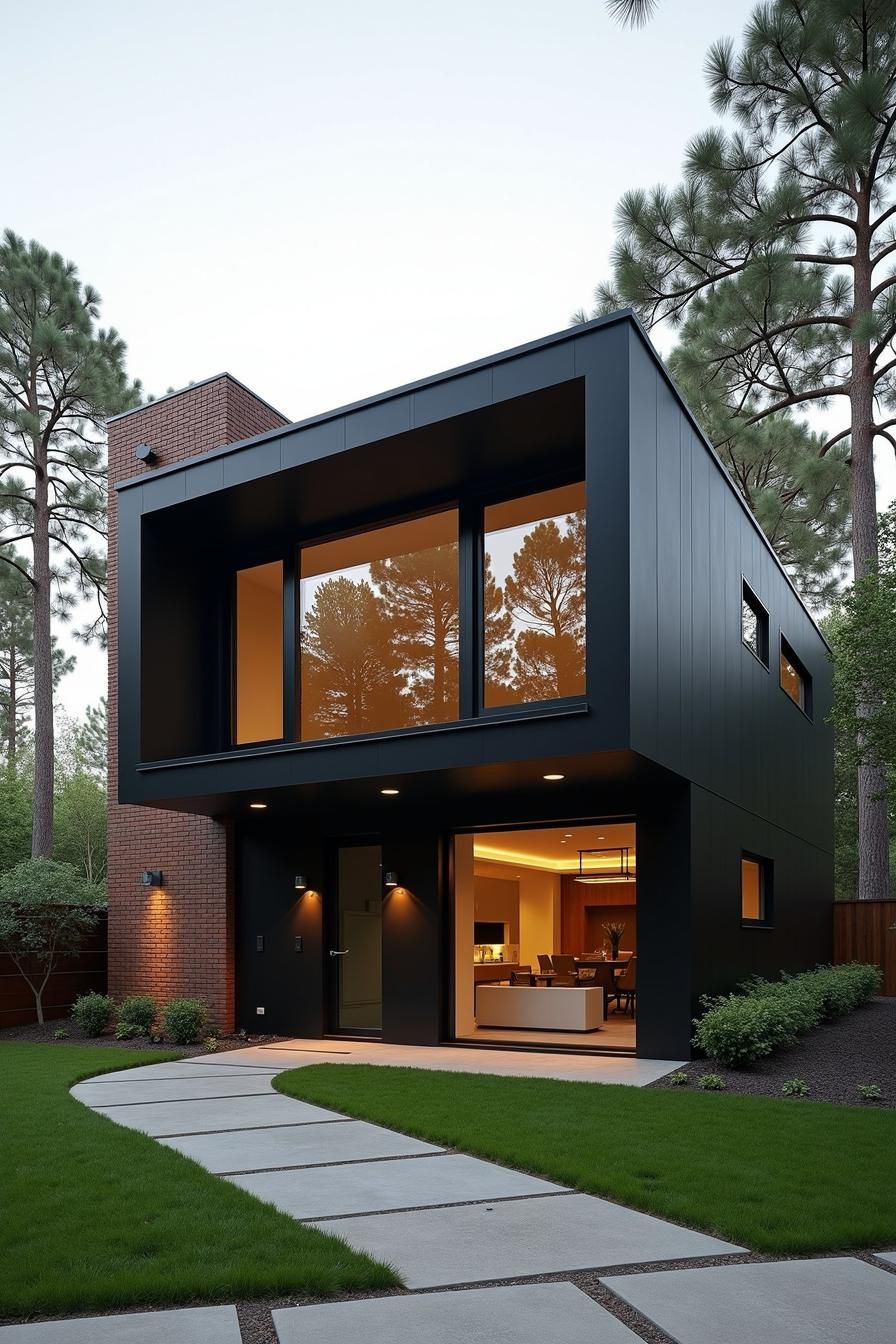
column 177, row 941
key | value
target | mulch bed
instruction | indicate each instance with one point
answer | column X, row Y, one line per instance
column 44, row 1033
column 833, row 1060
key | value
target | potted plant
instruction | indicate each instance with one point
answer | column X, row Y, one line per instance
column 614, row 932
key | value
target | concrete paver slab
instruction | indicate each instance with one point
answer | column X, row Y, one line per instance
column 296, row 1146
column 830, row 1301
column 368, row 1187
column 528, row 1314
column 190, row 1325
column 216, row 1113
column 519, row 1237
column 889, row 1256
column 178, row 1069
column 575, row 1068
column 172, row 1089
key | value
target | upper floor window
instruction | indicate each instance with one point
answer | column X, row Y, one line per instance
column 754, row 624
column 534, row 597
column 755, row 889
column 258, row 654
column 795, row 680
column 378, row 629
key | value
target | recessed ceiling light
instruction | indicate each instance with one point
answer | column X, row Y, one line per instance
column 390, row 793
column 552, row 777
column 567, row 835
column 258, row 807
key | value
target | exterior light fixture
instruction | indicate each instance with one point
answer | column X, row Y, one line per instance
column 144, row 453
column 258, row 807
column 553, row 777
column 616, row 866
column 151, row 877
column 389, row 793
column 301, row 884
column 391, row 879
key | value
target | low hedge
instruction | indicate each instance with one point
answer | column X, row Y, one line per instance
column 764, row 1015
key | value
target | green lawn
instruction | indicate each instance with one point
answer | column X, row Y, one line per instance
column 771, row 1175
column 95, row 1216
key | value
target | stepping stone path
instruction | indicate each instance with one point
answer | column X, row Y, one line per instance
column 447, row 1220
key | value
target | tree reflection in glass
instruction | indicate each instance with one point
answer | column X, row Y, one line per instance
column 379, row 629
column 535, row 618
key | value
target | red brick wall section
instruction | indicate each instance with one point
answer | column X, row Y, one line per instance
column 178, row 940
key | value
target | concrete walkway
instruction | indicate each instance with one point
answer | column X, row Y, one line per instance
column 446, row 1220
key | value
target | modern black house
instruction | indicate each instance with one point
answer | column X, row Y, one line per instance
column 516, row 723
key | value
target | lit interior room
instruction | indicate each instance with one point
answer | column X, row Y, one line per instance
column 546, row 936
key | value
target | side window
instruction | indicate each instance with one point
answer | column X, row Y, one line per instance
column 258, row 654
column 754, row 624
column 755, row 889
column 795, row 680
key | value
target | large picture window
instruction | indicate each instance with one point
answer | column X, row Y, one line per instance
column 534, row 598
column 378, row 629
column 258, row 654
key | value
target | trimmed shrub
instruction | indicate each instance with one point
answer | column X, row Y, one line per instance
column 93, row 1013
column 183, row 1020
column 765, row 1015
column 139, row 1011
column 127, row 1031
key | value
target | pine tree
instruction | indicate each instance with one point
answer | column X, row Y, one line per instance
column 351, row 681
column 419, row 595
column 779, row 245
column 60, row 377
column 545, row 596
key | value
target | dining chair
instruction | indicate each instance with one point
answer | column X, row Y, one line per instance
column 544, row 962
column 565, row 966
column 627, row 985
column 521, row 976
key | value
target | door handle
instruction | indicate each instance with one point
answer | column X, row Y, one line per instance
column 343, row 953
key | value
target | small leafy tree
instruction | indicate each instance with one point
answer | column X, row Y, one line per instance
column 47, row 911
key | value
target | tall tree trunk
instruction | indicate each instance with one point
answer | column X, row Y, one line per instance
column 874, row 839
column 42, row 810
column 13, row 692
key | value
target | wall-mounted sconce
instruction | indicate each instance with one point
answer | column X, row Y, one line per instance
column 300, row 883
column 144, row 453
column 391, row 879
column 151, row 877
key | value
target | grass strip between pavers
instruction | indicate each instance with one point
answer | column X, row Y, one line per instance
column 94, row 1216
column 778, row 1176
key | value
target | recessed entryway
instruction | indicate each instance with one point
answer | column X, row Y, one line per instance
column 545, row 936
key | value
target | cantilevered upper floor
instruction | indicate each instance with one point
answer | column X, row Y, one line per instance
column 534, row 563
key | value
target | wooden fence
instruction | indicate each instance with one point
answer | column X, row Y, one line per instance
column 76, row 975
column 866, row 931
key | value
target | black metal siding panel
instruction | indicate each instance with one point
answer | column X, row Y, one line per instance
column 702, row 706
column 724, row 952
column 603, row 360
column 643, row 523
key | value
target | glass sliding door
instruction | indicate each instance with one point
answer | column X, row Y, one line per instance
column 357, row 957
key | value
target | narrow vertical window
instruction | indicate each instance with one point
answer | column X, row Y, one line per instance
column 755, row 890
column 754, row 624
column 795, row 680
column 258, row 654
column 533, row 601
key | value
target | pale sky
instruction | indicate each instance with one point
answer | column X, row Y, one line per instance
column 328, row 200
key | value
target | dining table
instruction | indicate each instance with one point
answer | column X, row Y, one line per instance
column 617, row 963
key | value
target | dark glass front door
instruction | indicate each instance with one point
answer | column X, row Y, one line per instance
column 357, row 955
